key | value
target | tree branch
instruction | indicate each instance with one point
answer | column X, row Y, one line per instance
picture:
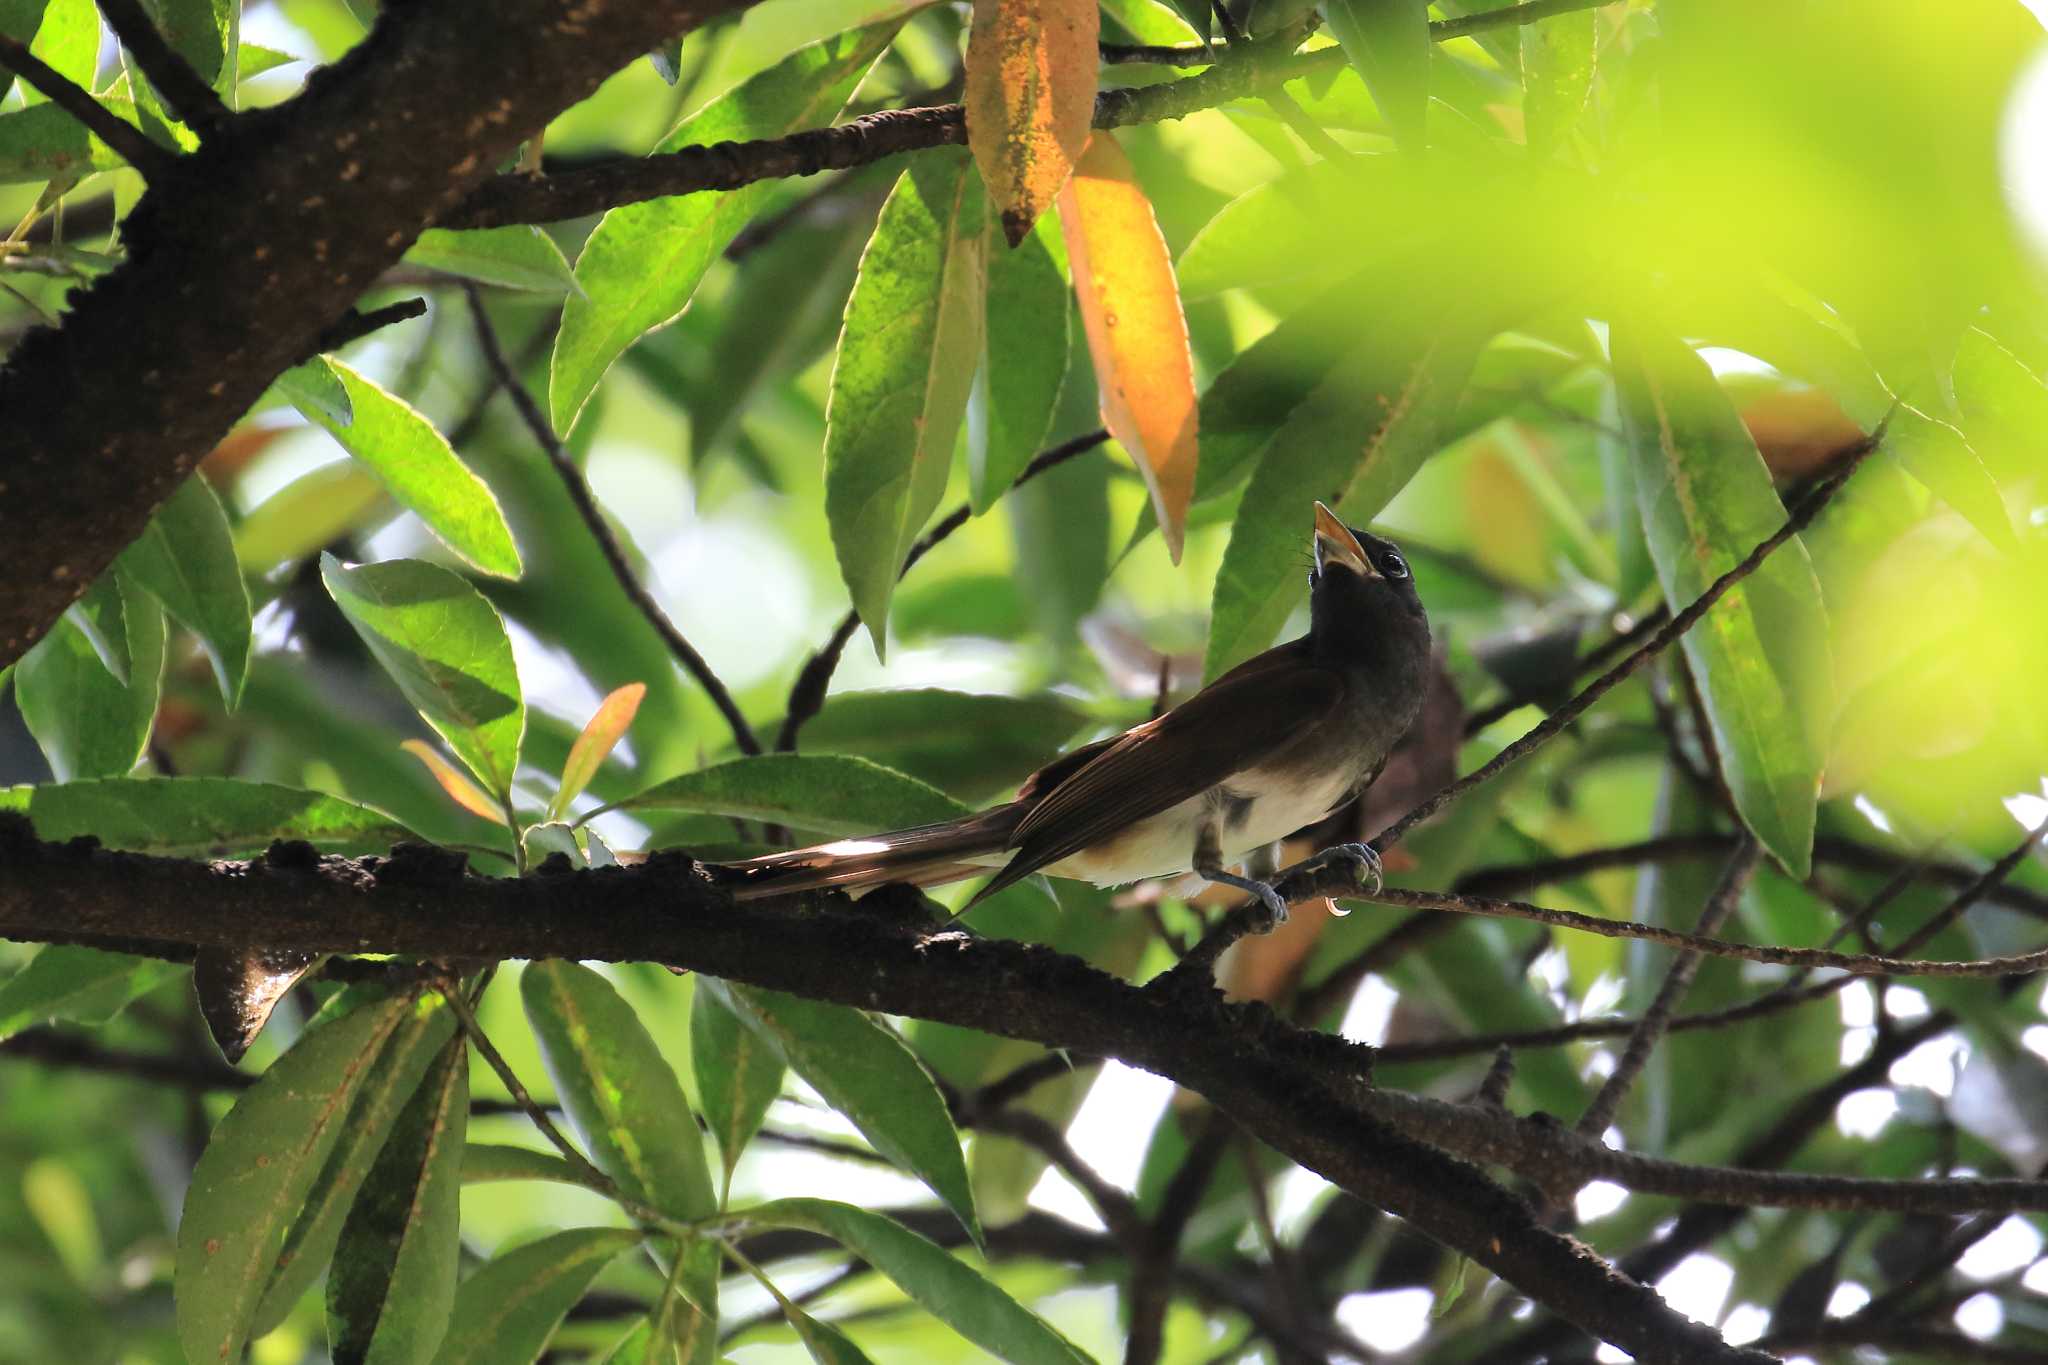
column 194, row 101
column 586, row 506
column 125, row 138
column 1300, row 1092
column 244, row 250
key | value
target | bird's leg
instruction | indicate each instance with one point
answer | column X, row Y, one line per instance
column 1208, row 865
column 1363, row 859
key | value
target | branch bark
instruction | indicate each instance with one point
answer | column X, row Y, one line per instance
column 1304, row 1093
column 245, row 250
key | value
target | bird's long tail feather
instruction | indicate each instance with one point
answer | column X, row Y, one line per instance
column 925, row 855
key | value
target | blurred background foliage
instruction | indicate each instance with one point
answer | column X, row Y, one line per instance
column 1707, row 242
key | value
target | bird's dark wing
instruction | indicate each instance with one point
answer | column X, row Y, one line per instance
column 1235, row 723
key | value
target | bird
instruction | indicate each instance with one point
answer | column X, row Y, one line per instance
column 1275, row 744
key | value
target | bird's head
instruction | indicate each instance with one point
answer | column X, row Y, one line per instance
column 1360, row 588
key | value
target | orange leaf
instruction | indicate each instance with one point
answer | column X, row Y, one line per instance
column 606, row 728
column 459, row 788
column 1031, row 69
column 1137, row 334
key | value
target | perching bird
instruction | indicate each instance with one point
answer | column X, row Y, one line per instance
column 1277, row 743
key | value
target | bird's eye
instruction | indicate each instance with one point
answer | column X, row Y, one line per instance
column 1392, row 565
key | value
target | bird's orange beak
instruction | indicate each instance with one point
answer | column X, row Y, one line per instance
column 1336, row 544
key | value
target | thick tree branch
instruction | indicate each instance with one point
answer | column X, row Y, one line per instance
column 243, row 251
column 1302, row 1093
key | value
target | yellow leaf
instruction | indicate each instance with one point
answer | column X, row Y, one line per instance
column 1137, row 334
column 459, row 788
column 1030, row 94
column 607, row 726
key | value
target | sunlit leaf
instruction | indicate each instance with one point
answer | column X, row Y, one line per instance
column 1023, row 365
column 200, row 817
column 1388, row 42
column 308, row 514
column 899, row 389
column 830, row 793
column 865, row 1072
column 1761, row 655
column 618, row 1091
column 264, row 1158
column 1030, row 93
column 84, row 985
column 1557, row 75
column 959, row 1296
column 203, row 32
column 460, row 789
column 393, row 1280
column 516, row 257
column 424, row 1032
column 1137, row 334
column 415, row 462
column 447, row 650
column 88, row 723
column 186, row 558
column 506, row 1313
column 642, row 263
column 605, row 728
column 738, row 1075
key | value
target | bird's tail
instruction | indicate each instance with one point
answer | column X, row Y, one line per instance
column 926, row 855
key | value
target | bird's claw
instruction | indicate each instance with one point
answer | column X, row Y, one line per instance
column 1273, row 906
column 1364, row 860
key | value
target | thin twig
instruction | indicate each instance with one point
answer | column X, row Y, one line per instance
column 807, row 694
column 195, row 102
column 1440, row 30
column 1656, row 1019
column 128, row 141
column 607, row 543
column 1856, row 964
column 1993, row 875
column 1801, row 517
column 355, row 326
column 1600, row 654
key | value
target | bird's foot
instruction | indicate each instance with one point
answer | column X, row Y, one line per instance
column 1362, row 859
column 1271, row 911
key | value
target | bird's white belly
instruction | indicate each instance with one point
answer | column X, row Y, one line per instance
column 1164, row 844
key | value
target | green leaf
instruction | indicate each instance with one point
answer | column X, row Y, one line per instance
column 830, row 793
column 393, row 1282
column 865, row 1072
column 200, row 817
column 84, row 985
column 899, row 387
column 517, row 257
column 971, row 745
column 642, row 263
column 1388, row 42
column 1288, row 231
column 395, row 1075
column 1761, row 655
column 738, row 1076
column 315, row 387
column 415, row 462
column 826, row 1344
column 253, row 59
column 19, row 20
column 1023, row 363
column 68, row 41
column 617, row 1089
column 87, row 723
column 203, row 32
column 311, row 512
column 483, row 1162
column 42, row 142
column 599, row 735
column 445, row 647
column 506, row 1312
column 262, row 1162
column 1352, row 442
column 1558, row 56
column 186, row 557
column 957, row 1295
